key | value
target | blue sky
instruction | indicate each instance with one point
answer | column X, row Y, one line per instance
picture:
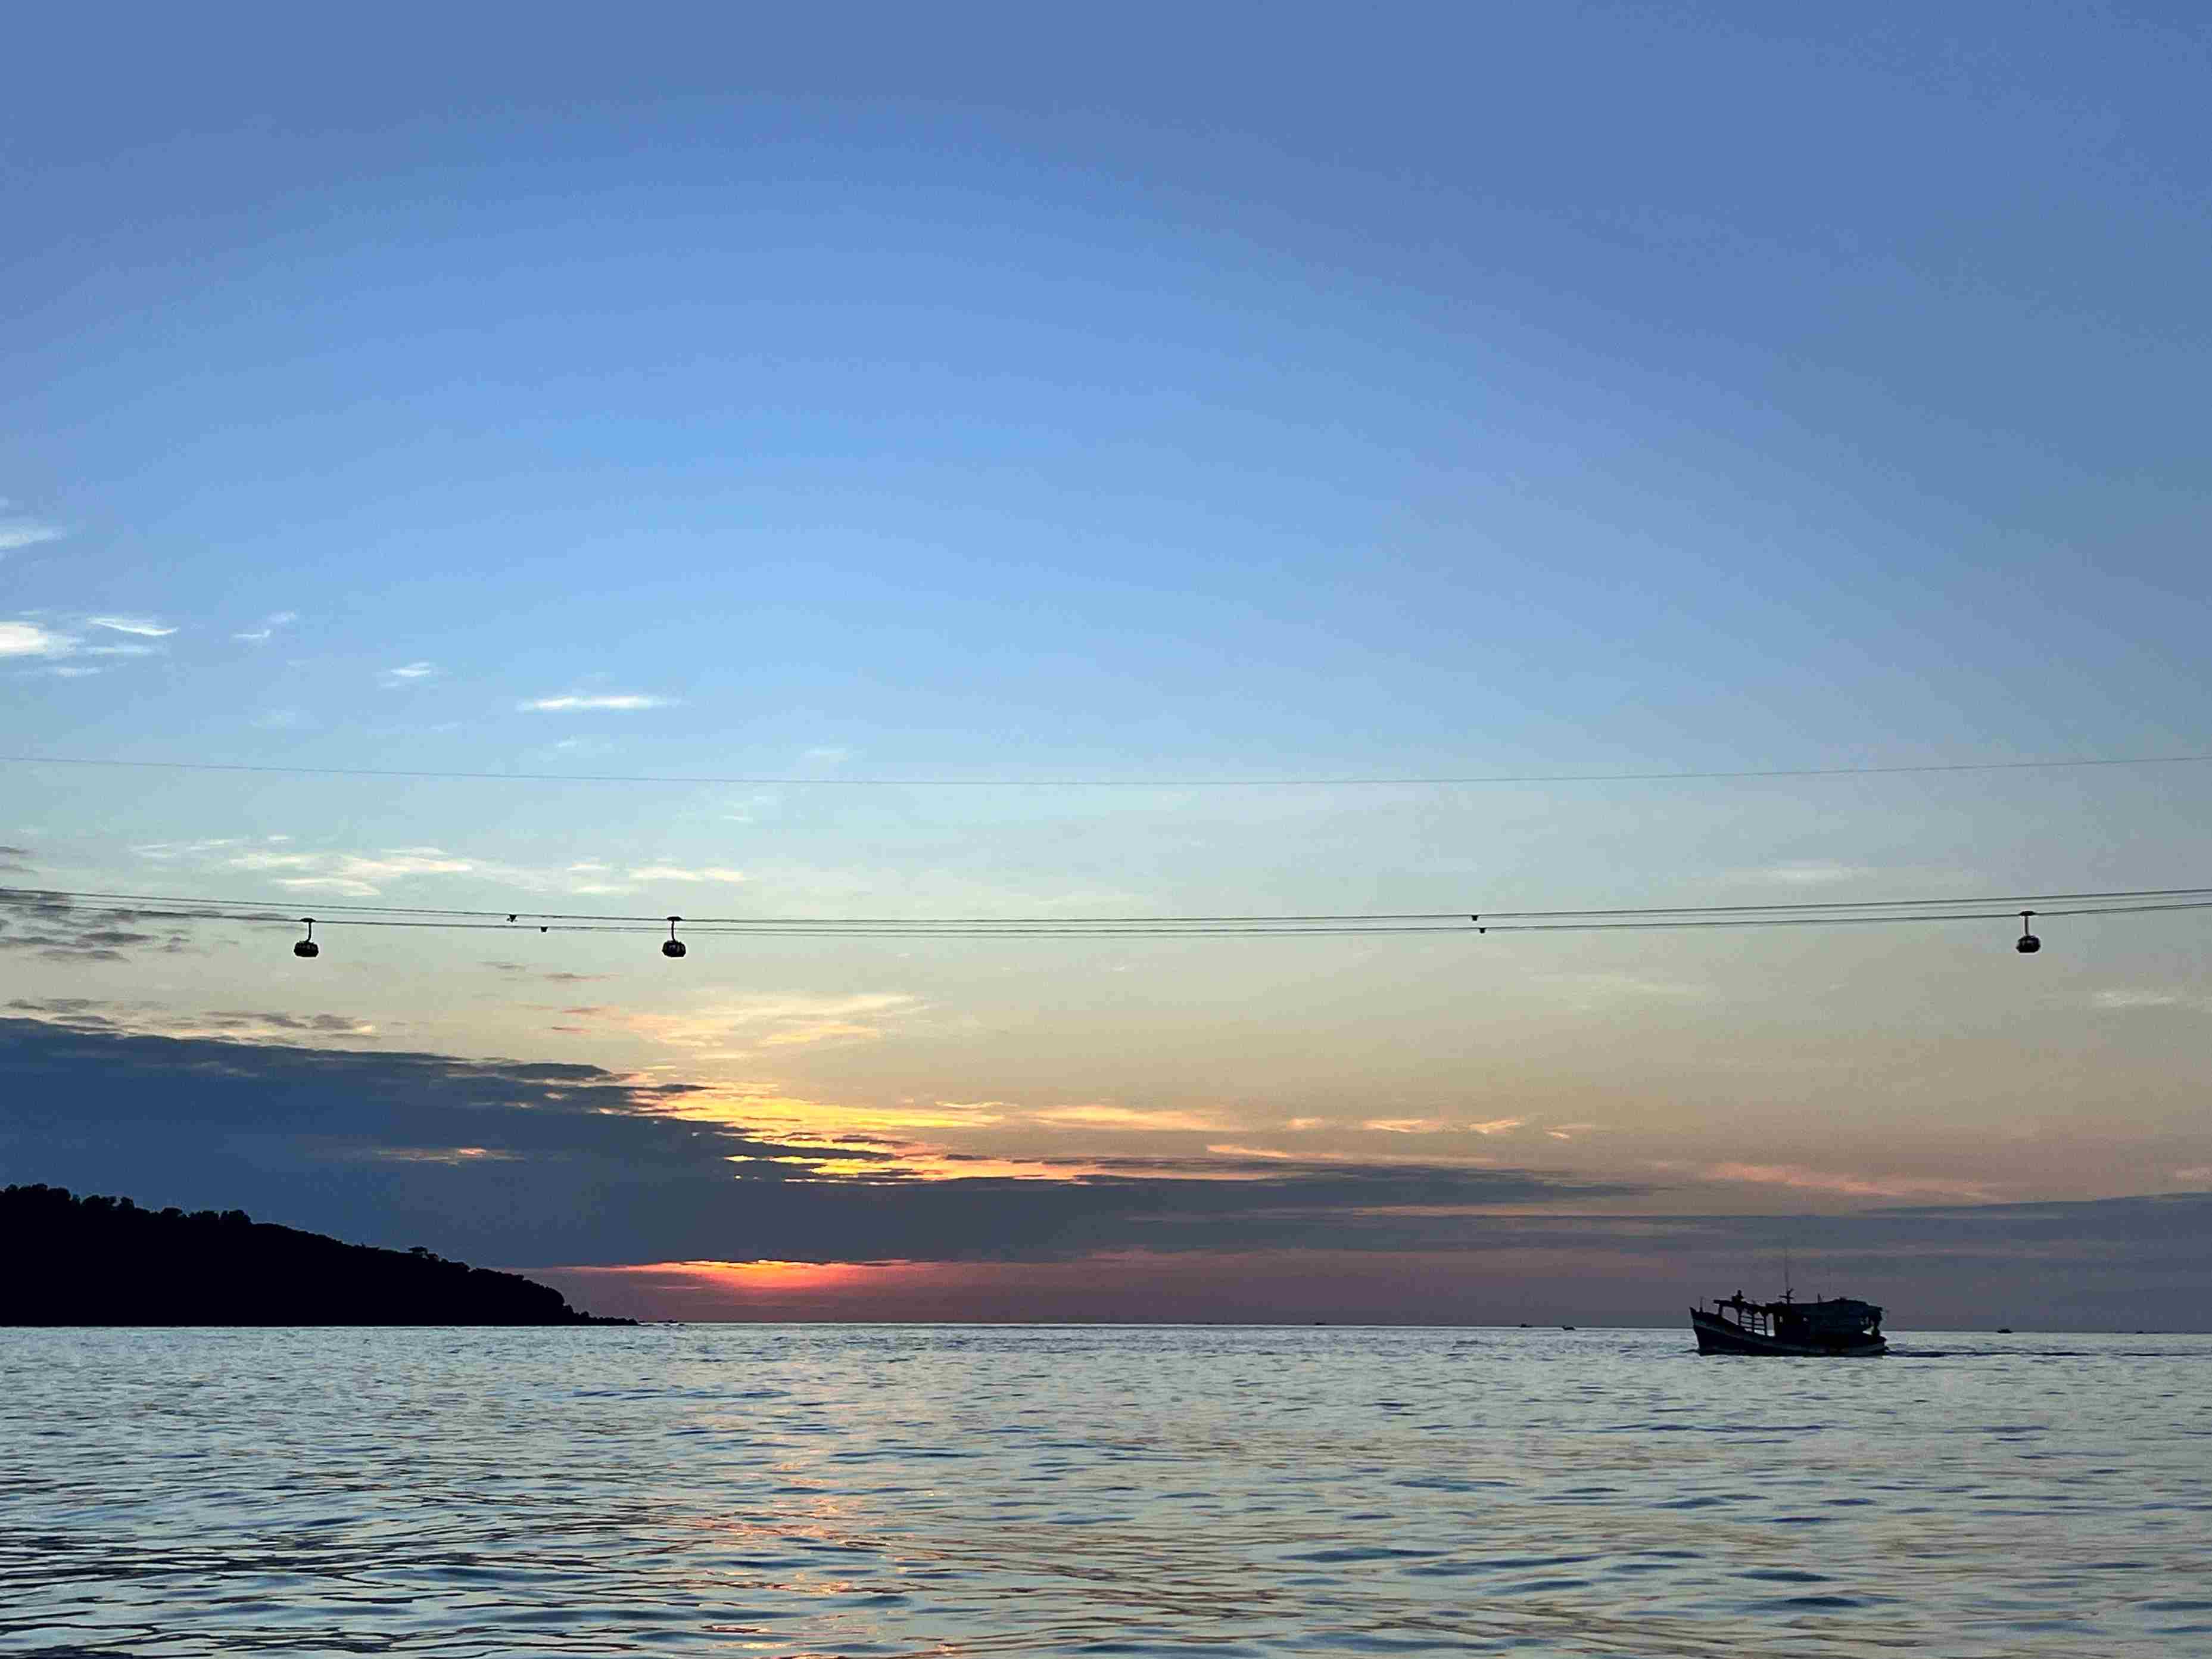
column 1251, row 393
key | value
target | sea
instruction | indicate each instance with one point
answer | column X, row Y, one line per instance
column 818, row 1490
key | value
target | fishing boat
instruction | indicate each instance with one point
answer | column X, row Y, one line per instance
column 1833, row 1328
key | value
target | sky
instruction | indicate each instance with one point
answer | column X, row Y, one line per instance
column 992, row 462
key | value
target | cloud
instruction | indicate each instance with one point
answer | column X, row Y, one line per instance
column 16, row 533
column 164, row 851
column 145, row 626
column 580, row 1164
column 2141, row 998
column 1812, row 872
column 329, row 870
column 148, row 1019
column 30, row 639
column 51, row 926
column 270, row 625
column 945, row 1114
column 124, row 651
column 361, row 872
column 411, row 673
column 575, row 701
column 1437, row 1125
column 747, row 1023
column 1853, row 1186
column 1127, row 1117
column 523, row 970
column 669, row 873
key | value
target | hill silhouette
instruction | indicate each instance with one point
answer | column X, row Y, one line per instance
column 97, row 1261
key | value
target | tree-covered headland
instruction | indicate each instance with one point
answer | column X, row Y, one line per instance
column 96, row 1261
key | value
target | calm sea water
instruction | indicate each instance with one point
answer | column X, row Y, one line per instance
column 821, row 1490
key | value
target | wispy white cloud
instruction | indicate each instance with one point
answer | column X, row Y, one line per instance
column 31, row 639
column 1438, row 1126
column 1127, row 1117
column 169, row 851
column 362, row 874
column 27, row 532
column 354, row 867
column 2143, row 998
column 1808, row 873
column 145, row 626
column 669, row 873
column 338, row 886
column 411, row 673
column 270, row 625
column 959, row 1114
column 738, row 1027
column 575, row 701
column 1850, row 1185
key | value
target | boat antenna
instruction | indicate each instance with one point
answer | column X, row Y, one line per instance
column 1787, row 1290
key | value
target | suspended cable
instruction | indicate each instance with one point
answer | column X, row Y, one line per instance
column 1455, row 780
column 184, row 908
column 1815, row 913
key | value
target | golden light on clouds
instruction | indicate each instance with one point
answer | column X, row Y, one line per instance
column 1438, row 1126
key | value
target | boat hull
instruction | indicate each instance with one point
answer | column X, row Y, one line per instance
column 1717, row 1336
